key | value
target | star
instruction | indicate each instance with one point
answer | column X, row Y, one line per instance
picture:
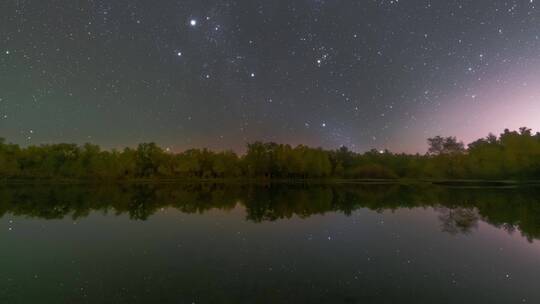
column 326, row 68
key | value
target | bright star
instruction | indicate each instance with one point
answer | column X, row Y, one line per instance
column 193, row 22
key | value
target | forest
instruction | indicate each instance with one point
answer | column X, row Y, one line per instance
column 513, row 155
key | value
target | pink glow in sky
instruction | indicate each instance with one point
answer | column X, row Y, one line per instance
column 511, row 100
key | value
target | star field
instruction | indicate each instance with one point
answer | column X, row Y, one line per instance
column 218, row 74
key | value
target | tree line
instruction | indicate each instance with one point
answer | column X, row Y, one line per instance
column 511, row 155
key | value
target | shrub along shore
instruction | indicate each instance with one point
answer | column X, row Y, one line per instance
column 511, row 156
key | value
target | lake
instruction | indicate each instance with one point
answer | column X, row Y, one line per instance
column 279, row 243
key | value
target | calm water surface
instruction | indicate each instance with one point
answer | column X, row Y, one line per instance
column 268, row 244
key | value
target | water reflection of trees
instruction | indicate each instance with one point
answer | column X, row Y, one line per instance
column 458, row 220
column 459, row 209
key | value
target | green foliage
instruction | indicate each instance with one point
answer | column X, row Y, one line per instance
column 375, row 171
column 512, row 155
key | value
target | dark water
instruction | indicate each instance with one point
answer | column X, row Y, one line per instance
column 268, row 244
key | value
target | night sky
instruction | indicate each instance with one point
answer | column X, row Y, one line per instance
column 218, row 74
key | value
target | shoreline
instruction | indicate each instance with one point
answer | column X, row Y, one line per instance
column 264, row 181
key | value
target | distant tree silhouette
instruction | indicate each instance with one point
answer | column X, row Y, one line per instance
column 512, row 155
column 445, row 145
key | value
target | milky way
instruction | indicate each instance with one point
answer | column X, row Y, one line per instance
column 218, row 74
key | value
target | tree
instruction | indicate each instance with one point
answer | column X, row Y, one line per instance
column 9, row 164
column 148, row 159
column 445, row 145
